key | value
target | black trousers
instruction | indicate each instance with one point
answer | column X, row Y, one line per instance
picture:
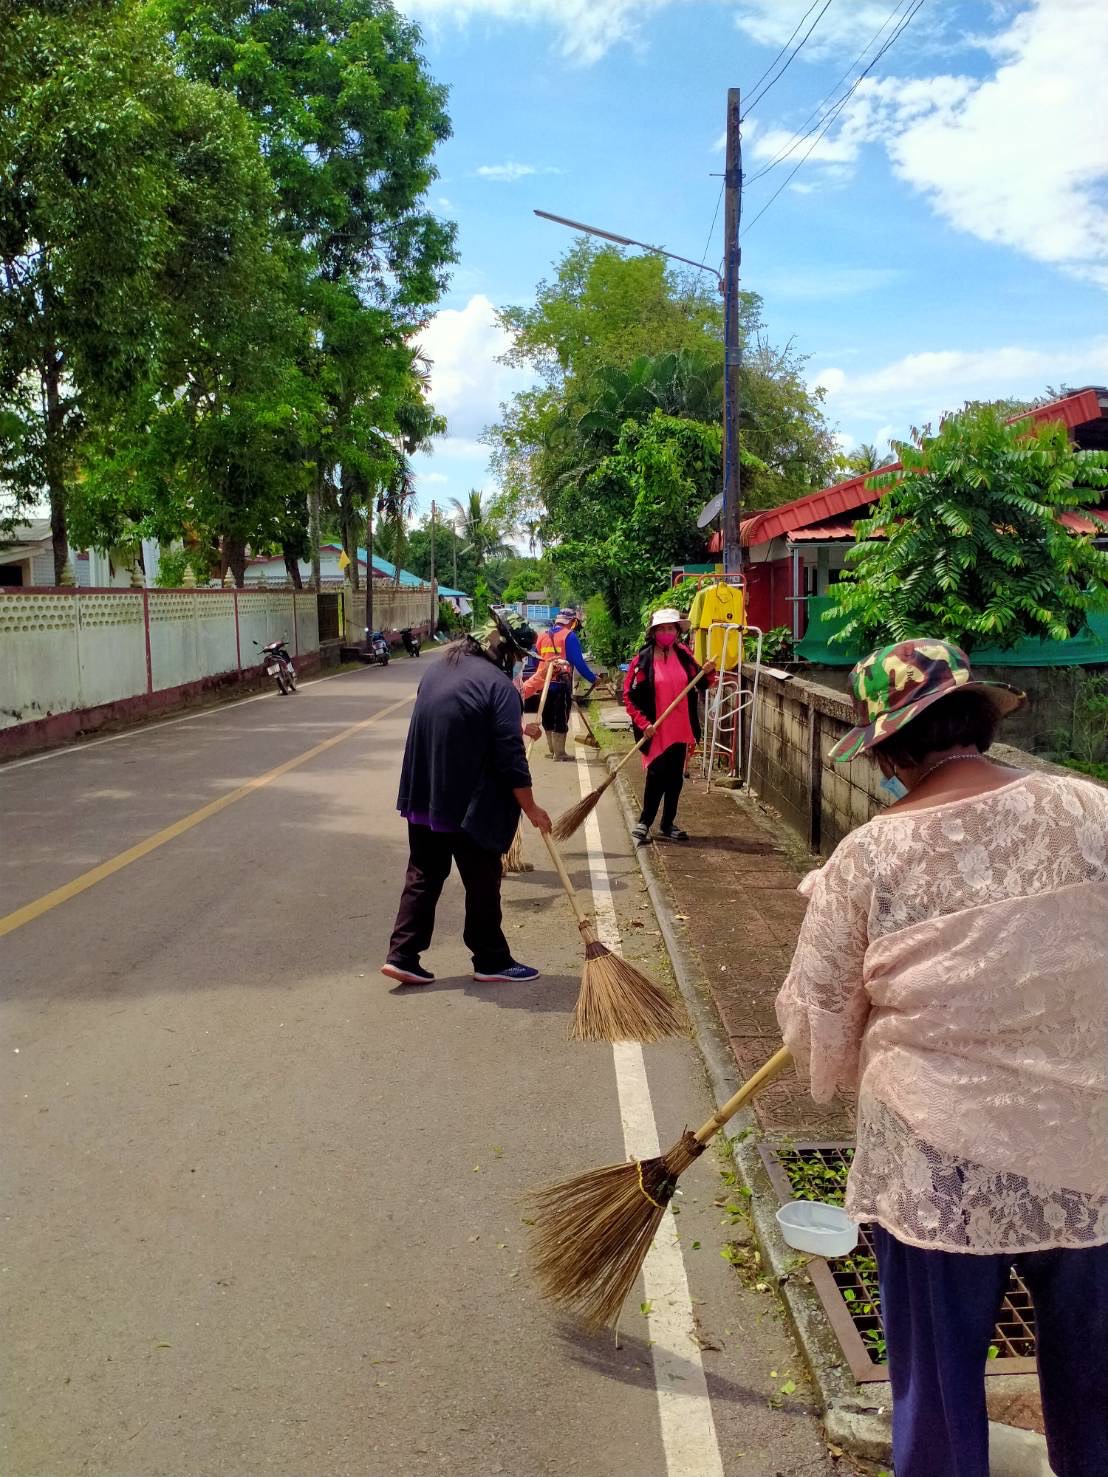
column 664, row 777
column 555, row 716
column 430, row 854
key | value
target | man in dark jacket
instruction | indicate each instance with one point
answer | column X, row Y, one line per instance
column 463, row 784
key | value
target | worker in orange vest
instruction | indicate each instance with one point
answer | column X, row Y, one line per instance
column 561, row 646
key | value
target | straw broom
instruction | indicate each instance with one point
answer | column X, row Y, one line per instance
column 575, row 817
column 616, row 1002
column 592, row 1233
column 512, row 860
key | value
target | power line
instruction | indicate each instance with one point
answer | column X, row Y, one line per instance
column 758, row 96
column 834, row 112
column 784, row 48
column 712, row 227
column 801, row 135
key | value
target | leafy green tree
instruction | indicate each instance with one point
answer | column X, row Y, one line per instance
column 617, row 338
column 482, row 526
column 124, row 189
column 634, row 516
column 967, row 543
column 604, row 309
column 782, row 427
column 526, row 575
column 348, row 119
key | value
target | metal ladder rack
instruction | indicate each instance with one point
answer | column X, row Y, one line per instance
column 731, row 707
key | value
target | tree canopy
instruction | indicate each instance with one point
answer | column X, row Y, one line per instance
column 215, row 250
column 615, row 451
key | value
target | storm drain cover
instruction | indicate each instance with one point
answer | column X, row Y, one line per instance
column 847, row 1287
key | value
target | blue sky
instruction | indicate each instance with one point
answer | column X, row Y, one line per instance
column 946, row 239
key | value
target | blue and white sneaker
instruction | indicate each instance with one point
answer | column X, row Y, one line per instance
column 514, row 974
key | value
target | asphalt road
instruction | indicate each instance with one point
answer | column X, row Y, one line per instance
column 261, row 1209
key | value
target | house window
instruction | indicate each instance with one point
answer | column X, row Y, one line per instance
column 11, row 576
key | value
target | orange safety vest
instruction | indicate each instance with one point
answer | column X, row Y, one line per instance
column 550, row 647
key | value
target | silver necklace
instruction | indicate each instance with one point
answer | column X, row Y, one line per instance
column 950, row 759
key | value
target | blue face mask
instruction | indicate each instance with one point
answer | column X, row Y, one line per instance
column 894, row 788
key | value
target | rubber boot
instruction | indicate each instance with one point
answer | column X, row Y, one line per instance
column 549, row 742
column 560, row 747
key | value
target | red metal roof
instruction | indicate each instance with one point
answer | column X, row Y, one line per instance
column 1093, row 520
column 846, row 497
column 830, row 528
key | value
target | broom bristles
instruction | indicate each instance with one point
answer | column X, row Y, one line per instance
column 618, row 1003
column 591, row 1233
column 512, row 860
column 575, row 817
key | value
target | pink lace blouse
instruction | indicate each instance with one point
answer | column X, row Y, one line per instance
column 952, row 969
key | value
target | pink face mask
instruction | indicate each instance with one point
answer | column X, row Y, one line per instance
column 665, row 638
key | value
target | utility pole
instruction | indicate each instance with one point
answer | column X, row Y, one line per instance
column 454, row 532
column 369, row 561
column 732, row 488
column 434, row 596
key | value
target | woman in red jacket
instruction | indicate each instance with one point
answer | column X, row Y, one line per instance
column 656, row 676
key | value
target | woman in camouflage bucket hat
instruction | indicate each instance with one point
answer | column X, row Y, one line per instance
column 951, row 972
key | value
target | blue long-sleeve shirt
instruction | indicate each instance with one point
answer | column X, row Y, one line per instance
column 575, row 655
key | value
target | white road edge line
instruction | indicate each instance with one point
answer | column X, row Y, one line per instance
column 688, row 1427
column 142, row 728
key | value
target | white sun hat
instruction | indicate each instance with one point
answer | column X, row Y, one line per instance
column 666, row 617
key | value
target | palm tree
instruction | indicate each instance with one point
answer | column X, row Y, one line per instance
column 482, row 524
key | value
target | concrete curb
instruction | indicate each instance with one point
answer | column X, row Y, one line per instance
column 858, row 1418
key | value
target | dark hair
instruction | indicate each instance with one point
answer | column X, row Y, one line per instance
column 464, row 645
column 961, row 718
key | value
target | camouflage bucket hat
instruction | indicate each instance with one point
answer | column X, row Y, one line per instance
column 891, row 686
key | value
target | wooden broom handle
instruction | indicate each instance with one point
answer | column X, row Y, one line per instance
column 571, row 891
column 542, row 704
column 765, row 1073
column 680, row 698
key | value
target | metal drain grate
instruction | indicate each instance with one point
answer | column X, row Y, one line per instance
column 847, row 1287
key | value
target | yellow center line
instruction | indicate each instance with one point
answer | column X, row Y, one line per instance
column 31, row 911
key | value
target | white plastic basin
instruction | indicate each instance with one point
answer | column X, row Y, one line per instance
column 824, row 1230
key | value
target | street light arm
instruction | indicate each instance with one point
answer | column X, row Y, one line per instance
column 562, row 220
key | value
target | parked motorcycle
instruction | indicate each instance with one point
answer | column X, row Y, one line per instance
column 278, row 665
column 377, row 649
column 412, row 644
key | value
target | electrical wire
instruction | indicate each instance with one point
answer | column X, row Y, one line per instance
column 803, row 133
column 784, row 48
column 712, row 227
column 758, row 96
column 834, row 112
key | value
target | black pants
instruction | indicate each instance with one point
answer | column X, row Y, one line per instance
column 664, row 778
column 429, row 859
column 555, row 715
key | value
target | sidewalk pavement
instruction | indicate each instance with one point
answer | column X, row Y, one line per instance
column 734, row 915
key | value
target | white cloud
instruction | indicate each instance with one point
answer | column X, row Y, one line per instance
column 467, row 383
column 587, row 29
column 922, row 387
column 510, row 171
column 437, row 478
column 1019, row 158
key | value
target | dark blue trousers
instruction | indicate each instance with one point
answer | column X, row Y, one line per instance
column 940, row 1309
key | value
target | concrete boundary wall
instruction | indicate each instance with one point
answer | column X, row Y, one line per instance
column 73, row 660
column 394, row 609
column 796, row 724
